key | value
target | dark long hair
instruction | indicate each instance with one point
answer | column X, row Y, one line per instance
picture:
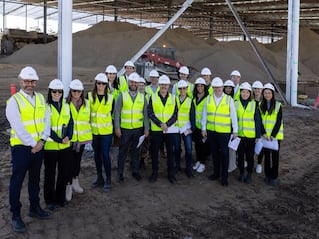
column 49, row 96
column 69, row 98
column 263, row 103
column 94, row 92
column 232, row 91
column 195, row 92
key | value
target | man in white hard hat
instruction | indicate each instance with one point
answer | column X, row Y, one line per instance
column 219, row 121
column 129, row 69
column 153, row 87
column 183, row 75
column 162, row 110
column 130, row 123
column 27, row 141
column 235, row 76
column 207, row 76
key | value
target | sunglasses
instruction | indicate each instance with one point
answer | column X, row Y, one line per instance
column 183, row 88
column 57, row 91
column 77, row 91
column 101, row 83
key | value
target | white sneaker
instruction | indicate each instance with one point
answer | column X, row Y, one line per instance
column 245, row 164
column 201, row 168
column 259, row 168
column 76, row 186
column 195, row 167
column 68, row 193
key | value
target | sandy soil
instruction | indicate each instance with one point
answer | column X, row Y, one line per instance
column 193, row 208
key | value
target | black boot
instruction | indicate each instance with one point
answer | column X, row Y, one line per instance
column 153, row 177
column 241, row 177
column 99, row 181
column 248, row 178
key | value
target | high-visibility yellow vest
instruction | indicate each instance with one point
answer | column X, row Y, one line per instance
column 101, row 118
column 190, row 89
column 115, row 93
column 32, row 117
column 58, row 121
column 162, row 112
column 149, row 90
column 246, row 119
column 269, row 121
column 210, row 90
column 184, row 109
column 132, row 116
column 123, row 86
column 218, row 117
column 199, row 112
column 82, row 128
column 237, row 94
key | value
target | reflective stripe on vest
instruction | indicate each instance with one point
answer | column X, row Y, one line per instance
column 58, row 120
column 123, row 86
column 190, row 89
column 82, row 128
column 246, row 119
column 199, row 112
column 184, row 109
column 32, row 117
column 218, row 117
column 269, row 122
column 101, row 118
column 162, row 112
column 132, row 116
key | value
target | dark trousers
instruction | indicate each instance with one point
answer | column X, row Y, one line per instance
column 76, row 161
column 101, row 146
column 260, row 157
column 23, row 161
column 271, row 162
column 219, row 145
column 201, row 148
column 157, row 138
column 188, row 150
column 54, row 186
column 246, row 150
column 129, row 137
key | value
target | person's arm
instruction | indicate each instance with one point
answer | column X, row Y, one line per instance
column 204, row 117
column 152, row 115
column 174, row 90
column 146, row 119
column 277, row 125
column 257, row 118
column 47, row 124
column 117, row 111
column 173, row 118
column 70, row 127
column 233, row 116
column 192, row 117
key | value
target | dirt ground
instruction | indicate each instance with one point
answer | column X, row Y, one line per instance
column 192, row 208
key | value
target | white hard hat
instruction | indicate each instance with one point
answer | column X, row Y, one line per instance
column 206, row 72
column 200, row 80
column 154, row 73
column 56, row 84
column 257, row 84
column 164, row 79
column 182, row 84
column 134, row 77
column 111, row 69
column 269, row 86
column 28, row 73
column 245, row 86
column 129, row 63
column 76, row 85
column 235, row 73
column 217, row 82
column 229, row 83
column 141, row 80
column 184, row 70
column 101, row 77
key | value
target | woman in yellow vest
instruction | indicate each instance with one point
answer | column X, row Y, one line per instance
column 101, row 103
column 183, row 74
column 207, row 76
column 249, row 124
column 272, row 129
column 113, row 81
column 82, row 133
column 201, row 144
column 58, row 152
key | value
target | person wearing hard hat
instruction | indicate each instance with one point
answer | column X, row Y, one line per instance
column 162, row 110
column 207, row 76
column 101, row 105
column 141, row 85
column 201, row 144
column 229, row 88
column 235, row 77
column 153, row 87
column 57, row 149
column 27, row 142
column 186, row 124
column 129, row 68
column 82, row 133
column 249, row 125
column 272, row 129
column 218, row 123
column 113, row 81
column 130, row 123
column 183, row 75
column 257, row 93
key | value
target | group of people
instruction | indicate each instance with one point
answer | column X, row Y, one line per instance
column 208, row 113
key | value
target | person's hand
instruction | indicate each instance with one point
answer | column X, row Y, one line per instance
column 37, row 147
column 164, row 127
column 265, row 137
column 65, row 140
column 118, row 132
column 204, row 133
column 235, row 135
column 146, row 133
column 189, row 131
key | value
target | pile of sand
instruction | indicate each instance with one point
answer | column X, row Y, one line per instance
column 114, row 43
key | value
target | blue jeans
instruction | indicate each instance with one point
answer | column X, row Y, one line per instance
column 101, row 145
column 188, row 150
column 23, row 161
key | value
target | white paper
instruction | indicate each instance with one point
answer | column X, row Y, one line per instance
column 204, row 139
column 140, row 141
column 172, row 129
column 233, row 143
column 270, row 144
column 258, row 146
